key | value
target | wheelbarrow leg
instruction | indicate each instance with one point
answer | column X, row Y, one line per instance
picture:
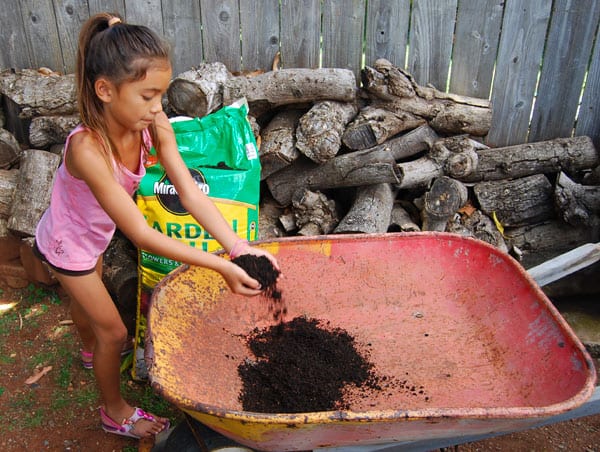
column 191, row 435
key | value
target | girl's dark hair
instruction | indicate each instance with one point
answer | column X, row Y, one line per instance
column 118, row 51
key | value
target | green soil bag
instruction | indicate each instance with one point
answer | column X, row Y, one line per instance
column 221, row 154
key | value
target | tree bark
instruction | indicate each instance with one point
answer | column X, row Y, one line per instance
column 314, row 213
column 371, row 211
column 8, row 184
column 477, row 225
column 199, row 91
column 319, row 131
column 441, row 202
column 278, row 142
column 374, row 126
column 291, row 86
column 542, row 241
column 269, row 225
column 401, row 221
column 517, row 202
column 452, row 156
column 32, row 194
column 578, row 204
column 543, row 157
column 395, row 90
column 358, row 168
column 38, row 94
column 45, row 131
column 10, row 150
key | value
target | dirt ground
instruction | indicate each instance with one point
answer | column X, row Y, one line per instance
column 59, row 411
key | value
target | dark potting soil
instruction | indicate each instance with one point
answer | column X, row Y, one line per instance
column 261, row 269
column 302, row 367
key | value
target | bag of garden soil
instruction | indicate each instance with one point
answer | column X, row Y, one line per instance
column 221, row 154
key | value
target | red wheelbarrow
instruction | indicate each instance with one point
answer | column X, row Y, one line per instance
column 455, row 316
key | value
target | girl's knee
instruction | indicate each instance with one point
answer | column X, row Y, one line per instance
column 115, row 336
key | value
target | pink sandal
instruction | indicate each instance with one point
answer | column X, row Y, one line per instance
column 125, row 428
column 87, row 359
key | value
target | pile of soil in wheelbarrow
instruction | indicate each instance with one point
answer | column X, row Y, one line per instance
column 261, row 269
column 302, row 366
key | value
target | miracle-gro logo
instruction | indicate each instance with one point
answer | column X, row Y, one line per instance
column 167, row 195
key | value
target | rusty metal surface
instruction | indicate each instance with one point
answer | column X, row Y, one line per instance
column 453, row 317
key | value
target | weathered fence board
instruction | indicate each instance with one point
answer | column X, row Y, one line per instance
column 343, row 34
column 387, row 31
column 536, row 60
column 111, row 6
column 589, row 114
column 221, row 32
column 70, row 14
column 148, row 12
column 569, row 43
column 15, row 45
column 260, row 33
column 431, row 36
column 42, row 30
column 475, row 46
column 300, row 33
column 519, row 58
column 181, row 24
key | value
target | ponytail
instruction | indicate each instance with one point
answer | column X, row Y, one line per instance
column 120, row 52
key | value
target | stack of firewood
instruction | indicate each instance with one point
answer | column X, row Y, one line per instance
column 390, row 155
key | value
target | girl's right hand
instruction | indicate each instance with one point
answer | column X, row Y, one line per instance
column 239, row 281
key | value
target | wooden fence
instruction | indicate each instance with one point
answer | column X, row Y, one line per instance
column 535, row 59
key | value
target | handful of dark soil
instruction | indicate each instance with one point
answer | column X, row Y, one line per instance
column 261, row 269
column 301, row 367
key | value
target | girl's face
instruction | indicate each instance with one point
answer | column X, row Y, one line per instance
column 133, row 105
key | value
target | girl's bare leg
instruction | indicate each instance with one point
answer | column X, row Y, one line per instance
column 99, row 318
column 80, row 318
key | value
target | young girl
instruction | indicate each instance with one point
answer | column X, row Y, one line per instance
column 122, row 73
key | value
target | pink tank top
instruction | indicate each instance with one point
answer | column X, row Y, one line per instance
column 74, row 231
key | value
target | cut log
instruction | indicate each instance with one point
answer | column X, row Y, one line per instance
column 45, row 131
column 543, row 157
column 578, row 204
column 355, row 169
column 8, row 185
column 314, row 213
column 120, row 276
column 374, row 126
column 371, row 211
column 39, row 94
column 517, row 202
column 32, row 194
column 199, row 91
column 401, row 220
column 36, row 270
column 291, row 86
column 474, row 223
column 278, row 142
column 411, row 143
column 10, row 150
column 319, row 132
column 395, row 90
column 441, row 202
column 542, row 241
column 268, row 221
column 452, row 156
